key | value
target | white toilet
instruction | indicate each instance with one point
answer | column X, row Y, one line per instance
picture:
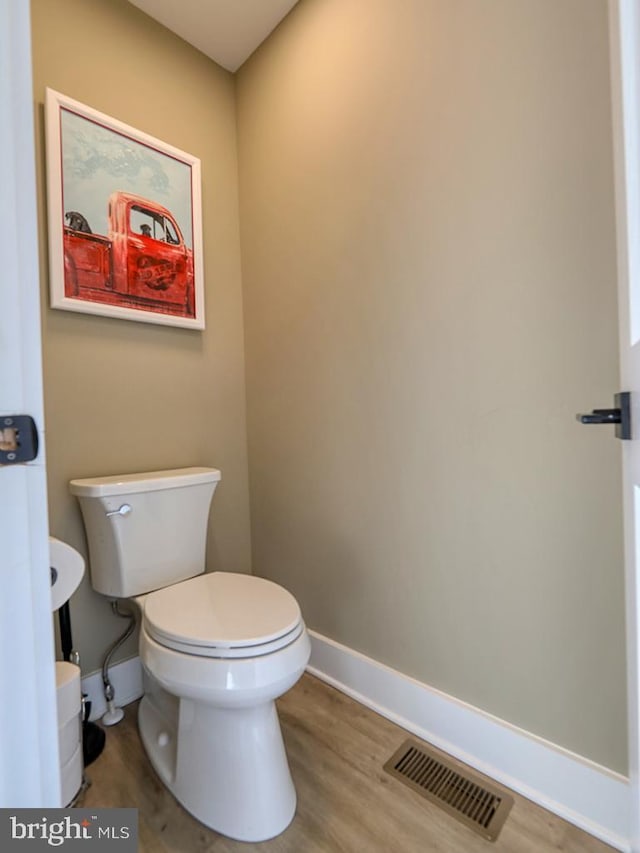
column 217, row 649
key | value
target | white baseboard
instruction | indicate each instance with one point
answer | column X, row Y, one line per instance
column 126, row 679
column 577, row 789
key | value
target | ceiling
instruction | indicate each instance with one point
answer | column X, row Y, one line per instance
column 227, row 31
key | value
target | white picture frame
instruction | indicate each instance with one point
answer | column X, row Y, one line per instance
column 125, row 220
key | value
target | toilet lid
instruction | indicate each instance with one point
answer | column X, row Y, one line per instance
column 221, row 614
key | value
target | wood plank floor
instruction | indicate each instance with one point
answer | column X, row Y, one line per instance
column 346, row 802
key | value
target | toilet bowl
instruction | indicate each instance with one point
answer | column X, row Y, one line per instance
column 227, row 645
column 217, row 649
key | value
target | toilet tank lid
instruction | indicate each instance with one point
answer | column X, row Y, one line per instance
column 150, row 481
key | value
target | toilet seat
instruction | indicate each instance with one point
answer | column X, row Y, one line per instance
column 223, row 615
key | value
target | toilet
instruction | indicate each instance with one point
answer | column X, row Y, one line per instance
column 217, row 649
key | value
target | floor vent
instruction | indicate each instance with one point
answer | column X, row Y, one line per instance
column 464, row 795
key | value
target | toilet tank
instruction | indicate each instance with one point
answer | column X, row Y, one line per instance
column 145, row 531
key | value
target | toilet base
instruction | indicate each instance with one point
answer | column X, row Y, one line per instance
column 227, row 767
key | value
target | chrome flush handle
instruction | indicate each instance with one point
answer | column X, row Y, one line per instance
column 125, row 509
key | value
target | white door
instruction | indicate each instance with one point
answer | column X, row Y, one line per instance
column 625, row 67
column 29, row 771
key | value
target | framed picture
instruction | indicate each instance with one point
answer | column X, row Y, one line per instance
column 125, row 220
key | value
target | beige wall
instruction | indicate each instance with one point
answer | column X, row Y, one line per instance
column 429, row 289
column 123, row 396
column 428, row 266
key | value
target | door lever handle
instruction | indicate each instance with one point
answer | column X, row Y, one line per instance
column 621, row 415
column 601, row 416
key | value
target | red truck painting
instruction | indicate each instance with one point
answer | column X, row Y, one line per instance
column 143, row 261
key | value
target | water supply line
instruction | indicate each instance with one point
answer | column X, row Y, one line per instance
column 113, row 714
